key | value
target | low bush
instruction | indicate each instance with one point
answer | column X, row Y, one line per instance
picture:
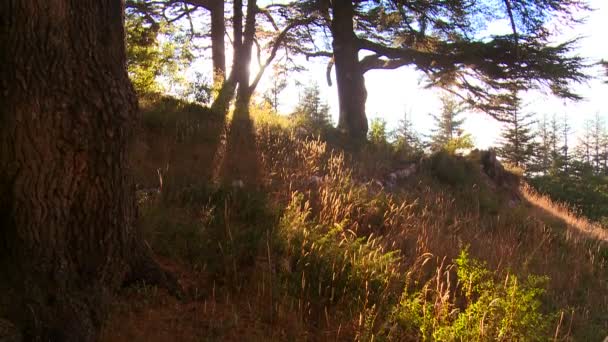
column 328, row 265
column 478, row 308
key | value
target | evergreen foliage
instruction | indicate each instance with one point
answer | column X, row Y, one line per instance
column 407, row 140
column 577, row 178
column 311, row 112
column 517, row 145
column 565, row 158
column 445, row 41
column 377, row 132
column 542, row 158
column 448, row 133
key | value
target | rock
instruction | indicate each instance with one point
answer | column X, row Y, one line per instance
column 497, row 177
column 394, row 177
column 492, row 167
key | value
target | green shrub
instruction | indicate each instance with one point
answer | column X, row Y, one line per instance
column 482, row 309
column 329, row 265
column 451, row 169
column 377, row 132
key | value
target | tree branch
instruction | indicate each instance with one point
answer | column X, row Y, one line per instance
column 275, row 48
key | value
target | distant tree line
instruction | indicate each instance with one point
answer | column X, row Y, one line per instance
column 575, row 172
column 541, row 146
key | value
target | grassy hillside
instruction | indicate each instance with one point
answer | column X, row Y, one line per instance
column 278, row 236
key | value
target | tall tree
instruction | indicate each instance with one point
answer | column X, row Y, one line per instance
column 442, row 39
column 543, row 155
column 67, row 209
column 565, row 157
column 517, row 146
column 583, row 148
column 244, row 38
column 598, row 134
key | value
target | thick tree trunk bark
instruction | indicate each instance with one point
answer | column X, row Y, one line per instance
column 67, row 209
column 351, row 83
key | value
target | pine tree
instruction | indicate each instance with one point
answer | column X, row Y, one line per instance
column 542, row 158
column 565, row 157
column 583, row 148
column 448, row 132
column 443, row 40
column 598, row 134
column 517, row 146
column 69, row 236
column 407, row 139
column 377, row 132
column 555, row 139
column 603, row 169
column 311, row 112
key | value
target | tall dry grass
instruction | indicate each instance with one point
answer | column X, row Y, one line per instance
column 578, row 226
column 336, row 257
column 430, row 225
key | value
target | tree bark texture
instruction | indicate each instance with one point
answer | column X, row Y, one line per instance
column 67, row 209
column 349, row 75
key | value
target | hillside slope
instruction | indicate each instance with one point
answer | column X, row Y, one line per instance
column 276, row 236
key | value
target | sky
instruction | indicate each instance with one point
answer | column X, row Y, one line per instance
column 391, row 93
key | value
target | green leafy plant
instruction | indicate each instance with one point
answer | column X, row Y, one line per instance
column 481, row 309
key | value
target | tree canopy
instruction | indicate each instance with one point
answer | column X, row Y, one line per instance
column 448, row 42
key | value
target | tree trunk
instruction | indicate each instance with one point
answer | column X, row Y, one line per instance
column 218, row 54
column 244, row 92
column 226, row 94
column 67, row 209
column 240, row 75
column 351, row 83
